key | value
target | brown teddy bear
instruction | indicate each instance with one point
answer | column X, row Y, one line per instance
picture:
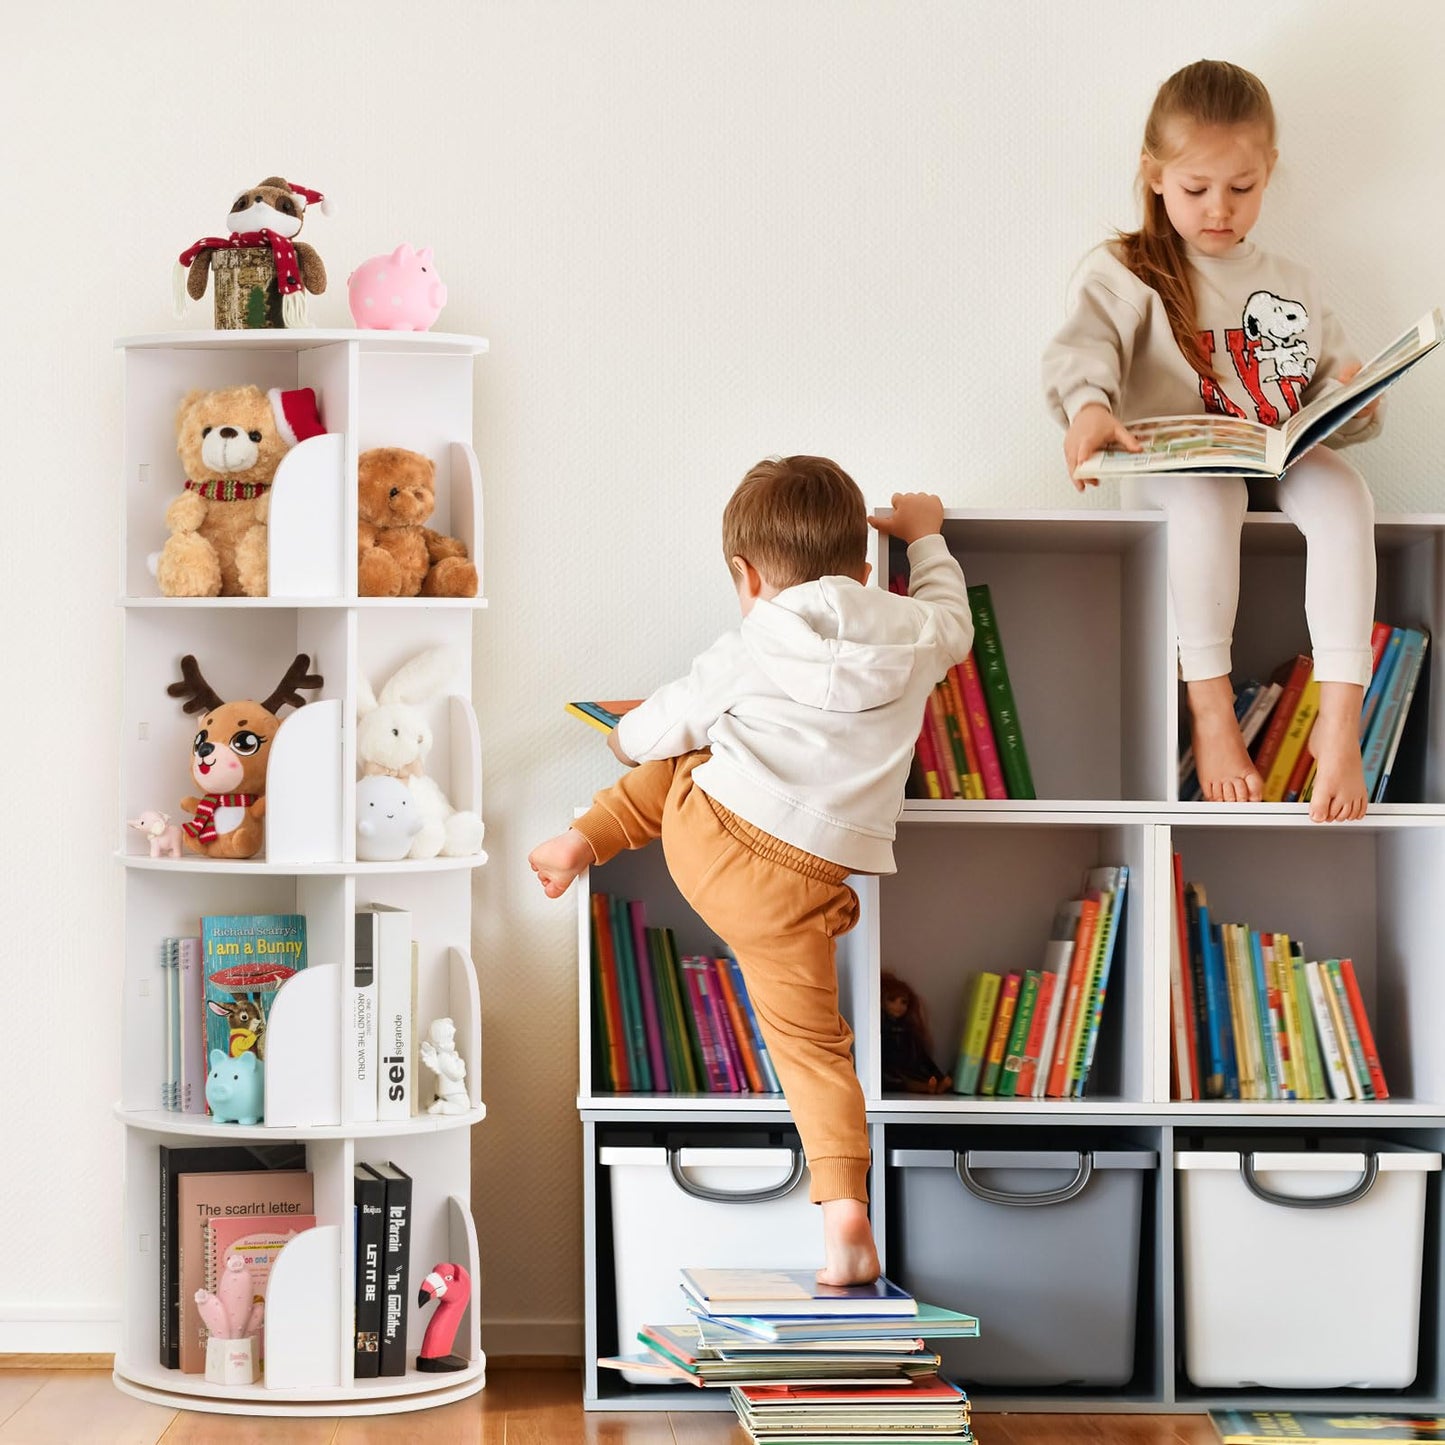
column 231, row 442
column 396, row 555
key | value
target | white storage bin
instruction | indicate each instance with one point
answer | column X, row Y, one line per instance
column 1302, row 1268
column 701, row 1208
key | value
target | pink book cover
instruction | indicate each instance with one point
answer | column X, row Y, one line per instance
column 257, row 1243
column 272, row 1197
column 721, row 1034
column 652, row 1025
column 973, row 699
column 730, row 1039
column 193, row 1028
column 694, row 971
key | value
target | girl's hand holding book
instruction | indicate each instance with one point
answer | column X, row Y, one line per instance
column 1094, row 426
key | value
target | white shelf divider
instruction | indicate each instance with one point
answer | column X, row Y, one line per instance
column 305, row 809
column 303, row 1050
column 303, row 1312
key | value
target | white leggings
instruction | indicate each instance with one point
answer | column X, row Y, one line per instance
column 1327, row 499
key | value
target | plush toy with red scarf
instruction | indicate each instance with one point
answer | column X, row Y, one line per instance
column 229, row 755
column 230, row 443
column 268, row 216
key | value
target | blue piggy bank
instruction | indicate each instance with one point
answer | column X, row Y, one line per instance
column 235, row 1088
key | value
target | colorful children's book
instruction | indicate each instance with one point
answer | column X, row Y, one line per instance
column 1229, row 444
column 978, row 1019
column 1267, row 1427
column 783, row 1293
column 998, row 1037
column 932, row 1322
column 999, row 694
column 246, row 958
column 604, row 716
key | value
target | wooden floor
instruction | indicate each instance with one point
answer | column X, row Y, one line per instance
column 518, row 1407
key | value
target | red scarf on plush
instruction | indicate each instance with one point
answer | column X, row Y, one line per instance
column 222, row 489
column 283, row 254
column 203, row 826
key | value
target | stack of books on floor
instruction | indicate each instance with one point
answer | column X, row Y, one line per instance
column 808, row 1363
column 1254, row 1018
column 972, row 745
column 665, row 1024
column 1276, row 718
column 1033, row 1035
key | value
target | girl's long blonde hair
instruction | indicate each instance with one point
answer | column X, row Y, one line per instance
column 1209, row 92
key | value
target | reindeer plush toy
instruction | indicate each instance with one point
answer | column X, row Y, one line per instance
column 229, row 755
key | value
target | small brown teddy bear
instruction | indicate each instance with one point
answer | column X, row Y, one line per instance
column 231, row 442
column 396, row 555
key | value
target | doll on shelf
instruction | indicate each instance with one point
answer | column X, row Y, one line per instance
column 907, row 1048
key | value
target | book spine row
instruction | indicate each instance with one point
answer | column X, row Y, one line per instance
column 667, row 1024
column 971, row 744
column 1035, row 1034
column 1255, row 1019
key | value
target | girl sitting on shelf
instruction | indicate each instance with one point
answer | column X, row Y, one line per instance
column 1186, row 315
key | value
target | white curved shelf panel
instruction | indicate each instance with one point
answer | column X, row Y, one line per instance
column 467, row 1015
column 467, row 504
column 307, row 519
column 462, row 1230
column 303, row 786
column 303, row 1051
column 303, row 1313
column 466, row 754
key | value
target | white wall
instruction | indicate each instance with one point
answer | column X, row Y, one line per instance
column 696, row 234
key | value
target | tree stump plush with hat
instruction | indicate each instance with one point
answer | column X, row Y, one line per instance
column 231, row 443
column 262, row 272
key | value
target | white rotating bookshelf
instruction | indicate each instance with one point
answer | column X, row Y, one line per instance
column 373, row 388
column 1082, row 603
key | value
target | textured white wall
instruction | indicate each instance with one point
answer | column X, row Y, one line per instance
column 695, row 234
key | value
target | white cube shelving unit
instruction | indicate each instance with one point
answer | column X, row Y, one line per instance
column 374, row 388
column 1083, row 608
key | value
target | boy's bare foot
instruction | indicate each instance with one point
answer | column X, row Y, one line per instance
column 848, row 1248
column 559, row 860
column 1338, row 794
column 1227, row 773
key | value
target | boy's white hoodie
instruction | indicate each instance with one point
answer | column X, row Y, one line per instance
column 813, row 705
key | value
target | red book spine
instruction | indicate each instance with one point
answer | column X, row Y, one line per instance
column 651, row 1017
column 723, row 1027
column 612, row 992
column 948, row 778
column 717, row 1080
column 1038, row 1026
column 742, row 1035
column 982, row 729
column 970, row 748
column 1283, row 714
column 1362, row 1023
column 1079, row 969
column 1191, row 1016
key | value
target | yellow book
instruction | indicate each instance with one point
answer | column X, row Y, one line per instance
column 1293, row 741
column 982, row 999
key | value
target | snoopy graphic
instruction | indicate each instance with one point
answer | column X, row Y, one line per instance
column 1279, row 328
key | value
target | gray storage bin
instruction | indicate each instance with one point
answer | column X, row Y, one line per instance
column 1043, row 1246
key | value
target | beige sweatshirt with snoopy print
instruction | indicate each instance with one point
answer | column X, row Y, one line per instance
column 1263, row 322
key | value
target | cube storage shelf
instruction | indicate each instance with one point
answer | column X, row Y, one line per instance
column 373, row 389
column 1086, row 624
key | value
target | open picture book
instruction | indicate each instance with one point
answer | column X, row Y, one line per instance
column 1229, row 444
column 604, row 716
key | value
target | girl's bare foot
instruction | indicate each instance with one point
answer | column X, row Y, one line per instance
column 559, row 860
column 848, row 1249
column 1339, row 788
column 1227, row 773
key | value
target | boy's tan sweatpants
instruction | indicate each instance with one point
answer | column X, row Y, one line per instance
column 779, row 909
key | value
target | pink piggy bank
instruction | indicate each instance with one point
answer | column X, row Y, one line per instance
column 399, row 292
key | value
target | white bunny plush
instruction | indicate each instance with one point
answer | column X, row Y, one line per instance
column 393, row 737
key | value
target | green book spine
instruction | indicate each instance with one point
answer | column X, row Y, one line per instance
column 1013, row 1057
column 998, row 691
column 1336, row 981
column 697, row 1078
column 636, row 1033
column 1313, row 1062
column 982, row 999
column 666, row 1022
column 601, row 1053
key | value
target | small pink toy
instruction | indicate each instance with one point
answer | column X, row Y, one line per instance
column 399, row 292
column 165, row 836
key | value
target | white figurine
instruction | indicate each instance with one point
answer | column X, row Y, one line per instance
column 439, row 1054
column 387, row 819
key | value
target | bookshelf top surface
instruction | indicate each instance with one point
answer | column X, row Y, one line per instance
column 1104, row 813
column 437, row 343
column 199, row 1126
column 260, row 866
column 404, row 604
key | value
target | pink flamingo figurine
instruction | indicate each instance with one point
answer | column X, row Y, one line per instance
column 451, row 1286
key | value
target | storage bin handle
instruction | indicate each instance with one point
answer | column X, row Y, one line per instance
column 1083, row 1173
column 1322, row 1201
column 741, row 1196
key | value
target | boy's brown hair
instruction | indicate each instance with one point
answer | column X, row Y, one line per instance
column 797, row 519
